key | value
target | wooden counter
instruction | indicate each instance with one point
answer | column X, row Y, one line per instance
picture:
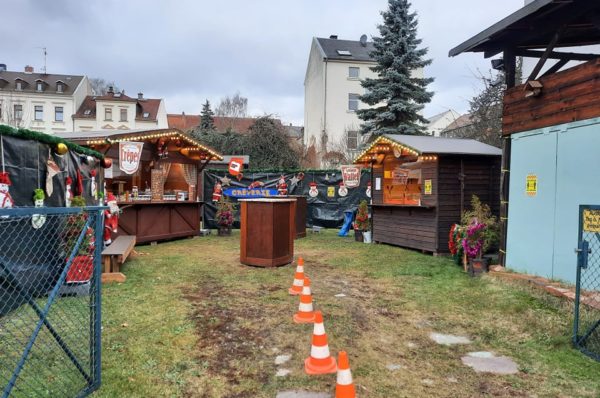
column 267, row 230
column 155, row 221
column 301, row 209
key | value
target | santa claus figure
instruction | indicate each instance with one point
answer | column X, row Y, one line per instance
column 282, row 186
column 217, row 192
column 68, row 191
column 312, row 190
column 6, row 201
column 368, row 192
column 342, row 190
column 111, row 219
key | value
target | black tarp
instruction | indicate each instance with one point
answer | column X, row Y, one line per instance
column 322, row 211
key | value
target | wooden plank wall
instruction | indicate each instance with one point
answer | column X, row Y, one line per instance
column 411, row 227
column 567, row 96
column 482, row 178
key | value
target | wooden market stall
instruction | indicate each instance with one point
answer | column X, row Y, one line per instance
column 421, row 185
column 155, row 176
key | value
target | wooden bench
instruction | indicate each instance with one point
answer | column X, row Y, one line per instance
column 114, row 256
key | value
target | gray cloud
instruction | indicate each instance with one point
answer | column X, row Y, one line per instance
column 187, row 51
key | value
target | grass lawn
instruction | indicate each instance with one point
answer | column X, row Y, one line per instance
column 192, row 321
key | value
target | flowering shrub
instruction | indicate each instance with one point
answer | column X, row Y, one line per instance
column 473, row 242
column 224, row 216
column 362, row 222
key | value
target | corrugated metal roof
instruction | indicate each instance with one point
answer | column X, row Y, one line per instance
column 441, row 145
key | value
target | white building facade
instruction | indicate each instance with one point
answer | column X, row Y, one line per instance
column 441, row 121
column 39, row 101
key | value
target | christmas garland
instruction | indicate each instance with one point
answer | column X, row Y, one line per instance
column 285, row 171
column 47, row 139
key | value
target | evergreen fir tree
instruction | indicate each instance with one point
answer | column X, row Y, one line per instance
column 396, row 95
column 207, row 122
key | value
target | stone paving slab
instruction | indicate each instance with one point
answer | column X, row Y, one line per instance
column 448, row 339
column 487, row 362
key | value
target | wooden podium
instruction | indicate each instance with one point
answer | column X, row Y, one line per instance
column 268, row 230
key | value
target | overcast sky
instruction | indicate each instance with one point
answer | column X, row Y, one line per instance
column 186, row 51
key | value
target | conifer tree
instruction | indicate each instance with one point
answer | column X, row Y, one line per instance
column 207, row 122
column 396, row 95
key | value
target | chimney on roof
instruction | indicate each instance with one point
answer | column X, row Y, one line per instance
column 334, row 37
column 2, row 67
column 363, row 40
column 140, row 96
column 28, row 69
column 111, row 90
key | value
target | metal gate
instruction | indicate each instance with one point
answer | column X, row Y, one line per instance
column 586, row 327
column 50, row 301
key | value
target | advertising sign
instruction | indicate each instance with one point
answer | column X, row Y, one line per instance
column 591, row 220
column 531, row 185
column 428, row 187
column 130, row 154
column 236, row 165
column 351, row 176
column 251, row 192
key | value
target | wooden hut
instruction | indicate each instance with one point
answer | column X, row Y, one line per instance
column 159, row 197
column 421, row 185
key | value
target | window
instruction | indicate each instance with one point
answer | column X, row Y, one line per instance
column 402, row 180
column 345, row 53
column 123, row 115
column 87, row 112
column 58, row 113
column 352, row 140
column 353, row 102
column 146, row 115
column 353, row 72
column 19, row 85
column 18, row 110
column 59, row 87
column 38, row 112
column 39, row 86
column 108, row 114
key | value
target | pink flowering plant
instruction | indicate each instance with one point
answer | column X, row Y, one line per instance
column 224, row 216
column 481, row 232
column 473, row 242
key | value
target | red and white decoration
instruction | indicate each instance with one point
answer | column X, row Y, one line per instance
column 312, row 190
column 111, row 218
column 235, row 166
column 282, row 186
column 93, row 186
column 342, row 190
column 52, row 169
column 351, row 176
column 368, row 192
column 217, row 192
column 68, row 191
column 6, row 201
column 130, row 154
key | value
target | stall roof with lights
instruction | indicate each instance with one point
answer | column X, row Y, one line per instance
column 419, row 145
column 107, row 137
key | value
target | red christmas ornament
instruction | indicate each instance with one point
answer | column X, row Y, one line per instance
column 106, row 163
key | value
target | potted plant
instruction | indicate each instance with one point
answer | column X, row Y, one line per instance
column 358, row 234
column 480, row 235
column 362, row 221
column 224, row 216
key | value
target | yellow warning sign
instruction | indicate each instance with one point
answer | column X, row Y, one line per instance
column 531, row 185
column 591, row 220
column 428, row 187
column 331, row 192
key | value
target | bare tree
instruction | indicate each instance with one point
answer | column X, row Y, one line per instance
column 235, row 106
column 100, row 86
column 9, row 112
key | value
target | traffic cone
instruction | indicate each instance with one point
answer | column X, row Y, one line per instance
column 320, row 361
column 344, row 387
column 296, row 288
column 305, row 313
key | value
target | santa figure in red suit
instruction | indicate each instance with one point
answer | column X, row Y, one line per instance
column 6, row 201
column 217, row 192
column 111, row 218
column 282, row 186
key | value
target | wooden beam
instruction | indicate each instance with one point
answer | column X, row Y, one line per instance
column 538, row 67
column 556, row 55
column 556, row 67
column 510, row 68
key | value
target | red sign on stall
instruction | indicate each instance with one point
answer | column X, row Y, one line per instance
column 235, row 166
column 130, row 154
column 351, row 176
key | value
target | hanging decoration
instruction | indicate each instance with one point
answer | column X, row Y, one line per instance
column 342, row 190
column 225, row 181
column 61, row 148
column 79, row 183
column 351, row 176
column 130, row 155
column 111, row 219
column 106, row 163
column 6, row 201
column 312, row 191
column 239, row 177
column 368, row 191
column 68, row 191
column 38, row 220
column 282, row 189
column 161, row 148
column 52, row 169
column 217, row 192
column 256, row 184
column 93, row 186
column 236, row 166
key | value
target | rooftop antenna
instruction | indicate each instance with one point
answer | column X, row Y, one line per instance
column 45, row 54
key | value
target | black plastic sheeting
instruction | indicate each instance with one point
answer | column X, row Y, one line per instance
column 322, row 211
column 25, row 161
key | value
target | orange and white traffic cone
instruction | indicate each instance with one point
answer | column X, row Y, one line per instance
column 296, row 288
column 306, row 313
column 320, row 360
column 344, row 387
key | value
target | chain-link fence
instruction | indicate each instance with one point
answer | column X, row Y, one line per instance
column 50, row 301
column 587, row 301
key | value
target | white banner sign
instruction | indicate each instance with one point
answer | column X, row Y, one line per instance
column 351, row 176
column 130, row 155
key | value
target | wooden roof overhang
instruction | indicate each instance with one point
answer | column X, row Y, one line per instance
column 383, row 146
